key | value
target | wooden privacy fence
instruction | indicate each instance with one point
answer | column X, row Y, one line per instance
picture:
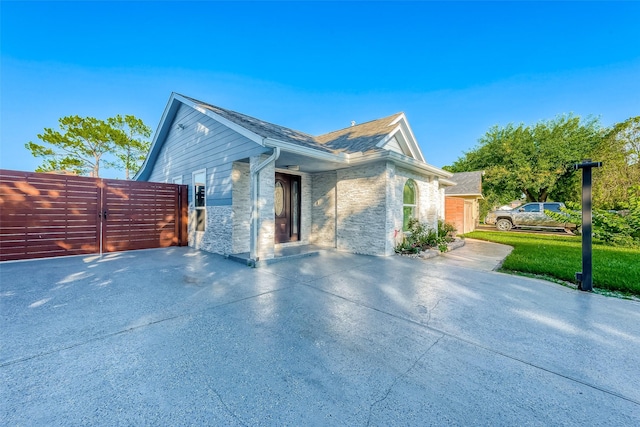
column 45, row 215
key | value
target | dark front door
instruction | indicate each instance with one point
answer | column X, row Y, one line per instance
column 286, row 204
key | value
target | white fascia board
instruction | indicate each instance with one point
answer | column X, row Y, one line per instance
column 226, row 122
column 465, row 195
column 386, row 139
column 400, row 135
column 447, row 183
column 411, row 139
column 305, row 151
column 167, row 117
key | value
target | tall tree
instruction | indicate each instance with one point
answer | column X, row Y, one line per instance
column 84, row 144
column 535, row 161
column 130, row 142
column 79, row 148
column 620, row 153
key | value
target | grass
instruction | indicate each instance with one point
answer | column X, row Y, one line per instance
column 560, row 257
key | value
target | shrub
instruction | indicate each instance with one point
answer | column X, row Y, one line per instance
column 420, row 237
column 609, row 227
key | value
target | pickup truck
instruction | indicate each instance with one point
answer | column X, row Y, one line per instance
column 530, row 215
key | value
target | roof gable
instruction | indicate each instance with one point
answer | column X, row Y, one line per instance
column 467, row 184
column 390, row 133
column 403, row 135
column 384, row 133
column 259, row 127
column 359, row 138
column 362, row 138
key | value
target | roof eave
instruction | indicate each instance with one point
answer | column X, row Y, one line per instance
column 402, row 126
column 465, row 195
column 305, row 151
column 165, row 124
column 405, row 161
column 259, row 139
column 168, row 115
column 446, row 182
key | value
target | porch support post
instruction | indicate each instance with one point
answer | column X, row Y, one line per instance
column 262, row 174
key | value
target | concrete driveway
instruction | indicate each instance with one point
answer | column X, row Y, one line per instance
column 180, row 337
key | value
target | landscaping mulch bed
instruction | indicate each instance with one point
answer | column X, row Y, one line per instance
column 434, row 252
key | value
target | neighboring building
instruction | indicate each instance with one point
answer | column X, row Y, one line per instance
column 255, row 186
column 462, row 201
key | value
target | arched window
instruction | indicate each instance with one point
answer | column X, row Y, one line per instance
column 409, row 203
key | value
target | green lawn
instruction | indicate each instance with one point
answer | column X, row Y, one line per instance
column 614, row 268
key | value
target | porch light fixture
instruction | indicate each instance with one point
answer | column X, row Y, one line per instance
column 293, row 167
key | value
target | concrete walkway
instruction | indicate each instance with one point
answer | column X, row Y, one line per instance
column 476, row 255
column 180, row 337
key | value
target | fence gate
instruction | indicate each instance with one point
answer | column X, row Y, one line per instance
column 45, row 215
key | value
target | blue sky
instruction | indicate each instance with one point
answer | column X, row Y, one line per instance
column 455, row 68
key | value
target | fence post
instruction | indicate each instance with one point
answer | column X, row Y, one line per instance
column 585, row 277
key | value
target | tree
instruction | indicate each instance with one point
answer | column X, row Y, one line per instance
column 620, row 153
column 535, row 161
column 80, row 148
column 129, row 147
column 84, row 144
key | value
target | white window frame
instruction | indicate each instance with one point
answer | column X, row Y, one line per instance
column 415, row 204
column 193, row 186
column 177, row 180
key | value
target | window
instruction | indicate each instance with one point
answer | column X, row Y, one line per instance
column 199, row 198
column 531, row 207
column 278, row 198
column 409, row 205
column 554, row 207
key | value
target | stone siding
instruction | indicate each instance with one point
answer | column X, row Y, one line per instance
column 429, row 197
column 323, row 209
column 305, row 207
column 241, row 208
column 266, row 219
column 362, row 209
column 217, row 235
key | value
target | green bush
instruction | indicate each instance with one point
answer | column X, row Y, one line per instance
column 611, row 228
column 420, row 237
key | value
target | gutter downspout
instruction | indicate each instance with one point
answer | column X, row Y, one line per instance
column 255, row 209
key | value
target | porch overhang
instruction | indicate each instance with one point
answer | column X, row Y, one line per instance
column 308, row 160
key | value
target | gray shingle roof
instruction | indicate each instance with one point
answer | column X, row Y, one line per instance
column 363, row 137
column 467, row 183
column 359, row 138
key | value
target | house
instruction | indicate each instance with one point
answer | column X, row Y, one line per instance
column 257, row 187
column 462, row 201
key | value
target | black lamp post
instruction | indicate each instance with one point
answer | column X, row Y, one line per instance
column 585, row 278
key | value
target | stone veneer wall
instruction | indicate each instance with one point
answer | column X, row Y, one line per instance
column 323, row 209
column 266, row 220
column 428, row 203
column 429, row 198
column 305, row 207
column 217, row 235
column 442, row 198
column 241, row 208
column 362, row 209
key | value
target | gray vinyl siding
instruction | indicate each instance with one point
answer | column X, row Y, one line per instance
column 203, row 143
column 394, row 145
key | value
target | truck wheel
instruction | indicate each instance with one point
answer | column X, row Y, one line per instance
column 504, row 225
